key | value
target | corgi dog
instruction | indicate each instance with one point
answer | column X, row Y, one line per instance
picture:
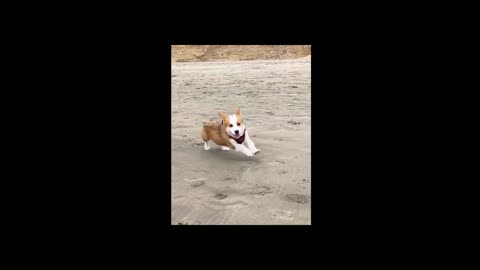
column 230, row 133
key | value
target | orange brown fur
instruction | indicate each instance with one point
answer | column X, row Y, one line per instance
column 215, row 131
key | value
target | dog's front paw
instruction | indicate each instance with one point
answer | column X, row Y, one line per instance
column 256, row 151
column 248, row 153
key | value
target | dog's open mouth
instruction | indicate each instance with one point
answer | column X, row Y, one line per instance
column 238, row 138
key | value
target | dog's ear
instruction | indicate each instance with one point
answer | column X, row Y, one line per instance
column 223, row 116
column 238, row 111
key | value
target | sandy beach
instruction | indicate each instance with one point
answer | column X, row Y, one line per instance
column 226, row 187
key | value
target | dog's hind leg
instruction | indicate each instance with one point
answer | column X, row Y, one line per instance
column 206, row 139
column 207, row 146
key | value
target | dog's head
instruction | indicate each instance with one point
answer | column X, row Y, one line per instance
column 233, row 124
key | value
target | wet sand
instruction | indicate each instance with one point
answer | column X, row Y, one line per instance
column 226, row 187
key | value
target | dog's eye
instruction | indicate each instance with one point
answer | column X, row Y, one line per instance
column 230, row 125
column 238, row 124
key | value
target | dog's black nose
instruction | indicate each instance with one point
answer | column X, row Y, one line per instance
column 236, row 131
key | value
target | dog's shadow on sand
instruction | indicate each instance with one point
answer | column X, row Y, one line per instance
column 232, row 155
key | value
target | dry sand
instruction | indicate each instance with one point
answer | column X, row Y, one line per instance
column 213, row 53
column 227, row 187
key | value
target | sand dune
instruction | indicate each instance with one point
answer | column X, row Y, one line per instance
column 217, row 187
